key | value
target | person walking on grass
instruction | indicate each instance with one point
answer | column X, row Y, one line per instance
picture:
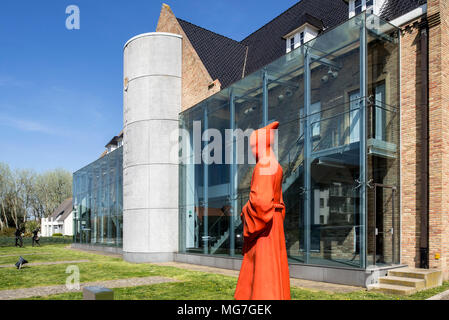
column 19, row 239
column 36, row 237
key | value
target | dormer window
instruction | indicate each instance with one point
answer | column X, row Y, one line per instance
column 358, row 6
column 297, row 40
column 308, row 28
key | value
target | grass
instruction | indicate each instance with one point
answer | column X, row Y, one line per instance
column 191, row 285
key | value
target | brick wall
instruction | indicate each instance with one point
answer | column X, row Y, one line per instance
column 411, row 148
column 439, row 134
column 195, row 77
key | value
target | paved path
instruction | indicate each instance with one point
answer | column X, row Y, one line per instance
column 44, row 263
column 299, row 283
column 52, row 290
column 442, row 296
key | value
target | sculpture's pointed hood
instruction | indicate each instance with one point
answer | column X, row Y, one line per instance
column 262, row 140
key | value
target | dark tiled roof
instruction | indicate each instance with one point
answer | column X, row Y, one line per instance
column 65, row 208
column 396, row 8
column 223, row 57
column 308, row 18
column 267, row 44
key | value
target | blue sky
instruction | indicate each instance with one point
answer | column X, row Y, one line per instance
column 61, row 90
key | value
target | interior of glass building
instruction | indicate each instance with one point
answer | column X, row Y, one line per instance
column 337, row 101
column 98, row 201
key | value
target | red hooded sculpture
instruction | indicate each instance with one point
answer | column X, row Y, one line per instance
column 264, row 273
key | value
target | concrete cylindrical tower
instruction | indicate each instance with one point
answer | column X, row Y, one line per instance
column 152, row 103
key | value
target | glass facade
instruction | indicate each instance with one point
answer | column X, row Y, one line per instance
column 337, row 100
column 98, row 201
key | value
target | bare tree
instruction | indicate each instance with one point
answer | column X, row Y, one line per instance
column 4, row 190
column 24, row 194
column 53, row 188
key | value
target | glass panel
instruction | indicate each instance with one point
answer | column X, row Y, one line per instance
column 248, row 117
column 191, row 178
column 320, row 145
column 383, row 142
column 98, row 201
column 286, row 105
column 335, row 123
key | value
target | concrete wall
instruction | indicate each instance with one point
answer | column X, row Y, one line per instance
column 152, row 102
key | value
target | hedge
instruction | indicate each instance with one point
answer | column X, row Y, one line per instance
column 27, row 241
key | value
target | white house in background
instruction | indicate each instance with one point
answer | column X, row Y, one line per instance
column 61, row 221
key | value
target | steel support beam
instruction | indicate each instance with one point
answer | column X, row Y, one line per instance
column 363, row 150
column 307, row 156
column 265, row 98
column 325, row 61
column 205, row 192
column 232, row 179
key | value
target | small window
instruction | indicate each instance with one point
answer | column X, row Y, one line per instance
column 321, row 203
column 301, row 38
column 292, row 43
column 369, row 3
column 358, row 6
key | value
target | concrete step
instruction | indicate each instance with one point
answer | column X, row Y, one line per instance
column 432, row 277
column 392, row 289
column 418, row 284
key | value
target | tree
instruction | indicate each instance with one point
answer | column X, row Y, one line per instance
column 4, row 189
column 5, row 185
column 25, row 194
column 53, row 188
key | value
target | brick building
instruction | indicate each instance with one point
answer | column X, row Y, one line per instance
column 362, row 138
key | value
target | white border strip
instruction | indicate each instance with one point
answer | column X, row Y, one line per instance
column 149, row 34
column 412, row 15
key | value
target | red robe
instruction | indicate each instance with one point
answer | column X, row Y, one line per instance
column 264, row 274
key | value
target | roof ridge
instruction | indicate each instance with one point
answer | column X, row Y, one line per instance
column 218, row 34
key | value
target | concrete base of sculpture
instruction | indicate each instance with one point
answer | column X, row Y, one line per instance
column 97, row 293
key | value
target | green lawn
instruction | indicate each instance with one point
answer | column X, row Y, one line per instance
column 191, row 285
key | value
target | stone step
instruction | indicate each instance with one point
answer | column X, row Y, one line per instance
column 432, row 277
column 419, row 284
column 392, row 289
